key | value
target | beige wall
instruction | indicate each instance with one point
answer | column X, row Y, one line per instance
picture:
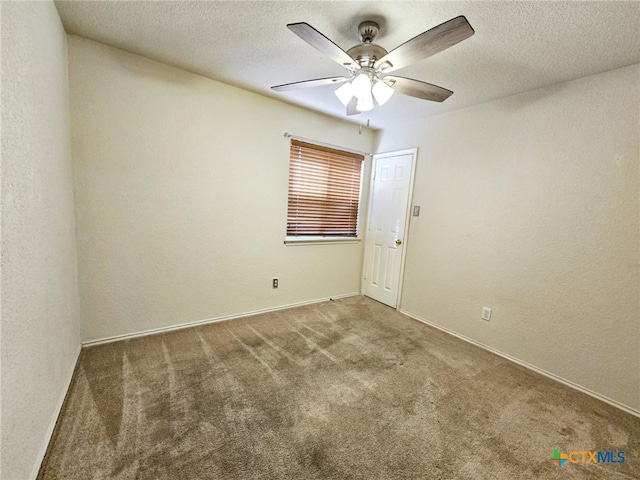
column 40, row 309
column 181, row 195
column 530, row 207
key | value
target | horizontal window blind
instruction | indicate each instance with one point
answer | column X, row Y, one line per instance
column 324, row 191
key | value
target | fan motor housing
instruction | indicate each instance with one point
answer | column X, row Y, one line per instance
column 366, row 54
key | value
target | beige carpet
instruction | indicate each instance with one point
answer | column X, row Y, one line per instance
column 340, row 390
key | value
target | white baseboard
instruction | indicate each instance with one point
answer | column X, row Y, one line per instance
column 52, row 425
column 550, row 375
column 223, row 318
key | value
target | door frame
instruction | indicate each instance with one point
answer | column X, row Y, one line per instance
column 407, row 151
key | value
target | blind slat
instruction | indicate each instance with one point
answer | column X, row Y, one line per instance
column 324, row 191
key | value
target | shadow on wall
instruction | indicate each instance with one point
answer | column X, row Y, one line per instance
column 525, row 100
column 170, row 74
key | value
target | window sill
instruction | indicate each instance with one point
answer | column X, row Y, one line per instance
column 319, row 240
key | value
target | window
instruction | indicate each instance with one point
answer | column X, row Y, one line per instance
column 324, row 191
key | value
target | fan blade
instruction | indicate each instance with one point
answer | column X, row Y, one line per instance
column 321, row 43
column 426, row 44
column 418, row 89
column 351, row 107
column 318, row 82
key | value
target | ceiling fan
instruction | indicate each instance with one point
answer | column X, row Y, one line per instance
column 368, row 64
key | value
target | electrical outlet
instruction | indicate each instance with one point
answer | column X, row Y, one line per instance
column 486, row 314
column 275, row 283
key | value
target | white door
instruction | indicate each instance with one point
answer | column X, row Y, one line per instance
column 387, row 225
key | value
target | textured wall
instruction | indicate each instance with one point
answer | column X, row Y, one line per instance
column 530, row 206
column 40, row 308
column 181, row 195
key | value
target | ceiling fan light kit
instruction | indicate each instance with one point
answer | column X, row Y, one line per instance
column 368, row 64
column 382, row 91
column 365, row 85
column 344, row 93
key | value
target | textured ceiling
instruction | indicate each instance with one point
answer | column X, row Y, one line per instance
column 517, row 47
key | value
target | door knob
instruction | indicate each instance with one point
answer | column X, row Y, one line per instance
column 398, row 242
